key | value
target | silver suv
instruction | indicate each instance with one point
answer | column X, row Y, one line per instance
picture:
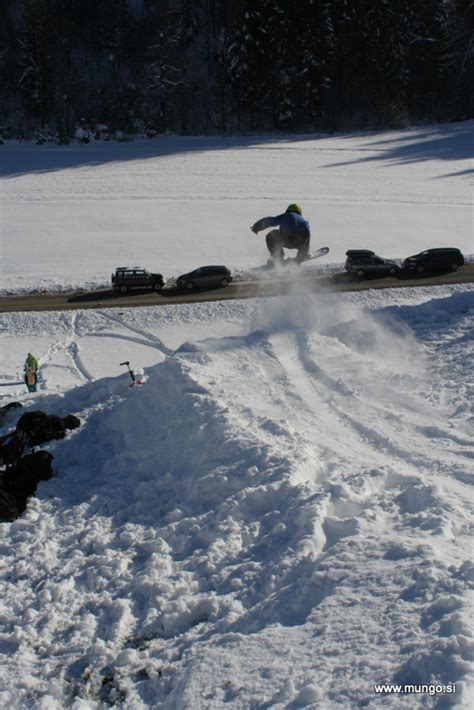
column 364, row 262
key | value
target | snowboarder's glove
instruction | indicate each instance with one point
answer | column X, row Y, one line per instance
column 255, row 231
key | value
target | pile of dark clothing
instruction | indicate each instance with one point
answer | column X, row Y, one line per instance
column 19, row 482
column 7, row 410
column 22, row 473
column 40, row 427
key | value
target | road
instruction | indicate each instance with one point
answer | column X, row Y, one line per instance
column 236, row 290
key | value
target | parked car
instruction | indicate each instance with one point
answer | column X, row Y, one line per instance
column 434, row 259
column 127, row 277
column 205, row 277
column 364, row 262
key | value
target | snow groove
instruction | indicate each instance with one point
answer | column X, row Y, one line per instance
column 147, row 338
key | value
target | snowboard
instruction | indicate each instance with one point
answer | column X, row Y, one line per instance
column 271, row 265
column 30, row 379
column 319, row 252
column 315, row 255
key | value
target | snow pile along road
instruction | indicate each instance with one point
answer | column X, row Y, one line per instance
column 278, row 519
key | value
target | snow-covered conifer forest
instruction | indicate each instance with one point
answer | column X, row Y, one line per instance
column 118, row 68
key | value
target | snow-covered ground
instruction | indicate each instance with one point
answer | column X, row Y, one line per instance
column 71, row 214
column 280, row 517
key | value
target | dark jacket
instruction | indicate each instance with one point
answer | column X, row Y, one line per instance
column 291, row 225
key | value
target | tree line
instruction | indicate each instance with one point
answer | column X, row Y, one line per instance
column 123, row 67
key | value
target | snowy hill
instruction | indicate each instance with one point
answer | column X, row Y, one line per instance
column 280, row 517
column 287, row 543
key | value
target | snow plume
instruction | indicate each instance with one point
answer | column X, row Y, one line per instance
column 379, row 337
column 301, row 307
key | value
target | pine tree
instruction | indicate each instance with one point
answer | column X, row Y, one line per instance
column 162, row 70
column 306, row 47
column 192, row 65
column 372, row 60
column 34, row 61
column 8, row 62
column 251, row 59
column 389, row 25
column 458, row 54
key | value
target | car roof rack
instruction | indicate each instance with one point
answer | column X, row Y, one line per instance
column 359, row 252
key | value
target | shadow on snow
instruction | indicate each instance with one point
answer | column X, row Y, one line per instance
column 439, row 142
column 442, row 142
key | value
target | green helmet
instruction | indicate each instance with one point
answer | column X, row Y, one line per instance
column 294, row 208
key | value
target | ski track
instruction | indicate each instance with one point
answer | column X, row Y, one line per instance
column 148, row 338
column 77, row 326
column 71, row 348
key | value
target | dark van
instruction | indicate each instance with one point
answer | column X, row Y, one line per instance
column 434, row 260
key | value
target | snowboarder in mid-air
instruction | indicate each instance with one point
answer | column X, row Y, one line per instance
column 293, row 233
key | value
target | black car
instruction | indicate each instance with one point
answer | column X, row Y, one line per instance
column 364, row 262
column 434, row 259
column 127, row 277
column 205, row 277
